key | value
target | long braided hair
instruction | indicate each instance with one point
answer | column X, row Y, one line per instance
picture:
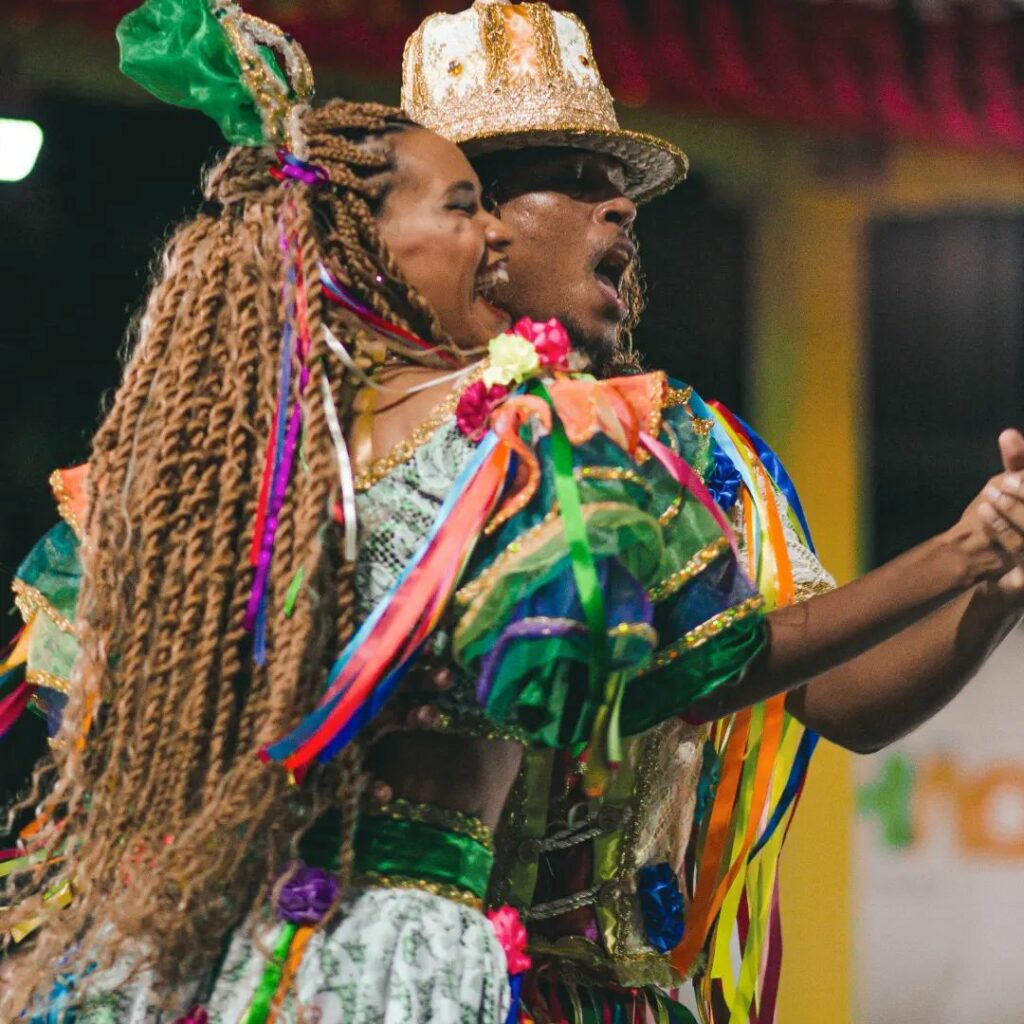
column 171, row 825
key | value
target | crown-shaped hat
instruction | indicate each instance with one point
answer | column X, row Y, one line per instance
column 505, row 75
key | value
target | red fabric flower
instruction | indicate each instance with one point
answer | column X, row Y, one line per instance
column 511, row 933
column 197, row 1015
column 477, row 402
column 551, row 340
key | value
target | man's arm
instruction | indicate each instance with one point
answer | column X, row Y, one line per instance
column 895, row 687
column 898, row 685
column 881, row 655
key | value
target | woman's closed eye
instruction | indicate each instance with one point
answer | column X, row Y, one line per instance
column 469, row 207
column 462, row 197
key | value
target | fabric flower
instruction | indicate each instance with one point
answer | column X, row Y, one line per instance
column 197, row 1015
column 307, row 895
column 550, row 340
column 476, row 403
column 513, row 360
column 661, row 905
column 511, row 932
column 723, row 479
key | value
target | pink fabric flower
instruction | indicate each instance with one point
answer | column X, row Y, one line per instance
column 511, row 932
column 551, row 340
column 477, row 402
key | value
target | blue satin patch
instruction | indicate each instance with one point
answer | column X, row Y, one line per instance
column 661, row 904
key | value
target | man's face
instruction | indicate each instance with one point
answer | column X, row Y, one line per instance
column 569, row 219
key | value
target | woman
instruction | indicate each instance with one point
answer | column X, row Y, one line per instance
column 222, row 571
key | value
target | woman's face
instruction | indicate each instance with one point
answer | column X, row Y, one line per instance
column 446, row 245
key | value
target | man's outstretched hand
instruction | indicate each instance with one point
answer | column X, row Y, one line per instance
column 1004, row 512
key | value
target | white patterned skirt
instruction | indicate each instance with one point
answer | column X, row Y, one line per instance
column 394, row 956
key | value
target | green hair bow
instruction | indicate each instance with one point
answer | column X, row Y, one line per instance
column 220, row 60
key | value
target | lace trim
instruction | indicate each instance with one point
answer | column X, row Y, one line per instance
column 407, row 448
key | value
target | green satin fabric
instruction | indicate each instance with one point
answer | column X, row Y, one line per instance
column 53, row 568
column 426, row 852
column 176, row 50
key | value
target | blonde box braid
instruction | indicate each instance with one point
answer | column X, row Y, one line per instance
column 172, row 826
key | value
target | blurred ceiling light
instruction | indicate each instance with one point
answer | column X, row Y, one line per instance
column 20, row 142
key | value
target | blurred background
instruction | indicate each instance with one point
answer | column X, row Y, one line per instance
column 844, row 267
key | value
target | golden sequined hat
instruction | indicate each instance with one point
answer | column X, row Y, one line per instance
column 505, row 75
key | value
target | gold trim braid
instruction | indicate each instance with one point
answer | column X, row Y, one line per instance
column 29, row 601
column 400, row 809
column 374, row 880
column 63, row 500
column 407, row 448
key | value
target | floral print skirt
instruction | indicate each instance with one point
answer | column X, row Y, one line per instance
column 394, row 956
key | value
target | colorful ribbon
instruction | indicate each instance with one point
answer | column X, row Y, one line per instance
column 340, row 295
column 373, row 662
column 282, row 443
column 764, row 755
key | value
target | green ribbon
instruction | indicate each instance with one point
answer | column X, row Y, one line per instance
column 177, row 50
column 584, row 570
column 429, row 853
column 605, row 743
column 259, row 1008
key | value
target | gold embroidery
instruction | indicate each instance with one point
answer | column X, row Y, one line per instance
column 702, row 427
column 546, row 40
column 407, row 448
column 696, row 565
column 677, row 396
column 63, row 500
column 471, row 593
column 672, row 511
column 495, row 40
column 484, row 581
column 813, row 588
column 29, row 601
column 611, row 473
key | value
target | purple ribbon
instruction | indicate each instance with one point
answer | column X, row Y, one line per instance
column 290, row 166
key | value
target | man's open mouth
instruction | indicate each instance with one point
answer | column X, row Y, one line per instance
column 612, row 266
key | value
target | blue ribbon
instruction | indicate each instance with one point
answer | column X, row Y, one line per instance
column 309, row 725
column 808, row 742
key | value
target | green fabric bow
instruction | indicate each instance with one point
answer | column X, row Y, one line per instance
column 178, row 51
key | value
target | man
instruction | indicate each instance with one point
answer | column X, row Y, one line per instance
column 518, row 87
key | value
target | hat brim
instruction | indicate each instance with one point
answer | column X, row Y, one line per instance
column 653, row 166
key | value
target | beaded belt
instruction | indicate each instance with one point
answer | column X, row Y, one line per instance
column 406, row 845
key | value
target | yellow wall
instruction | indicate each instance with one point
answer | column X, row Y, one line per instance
column 809, row 266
